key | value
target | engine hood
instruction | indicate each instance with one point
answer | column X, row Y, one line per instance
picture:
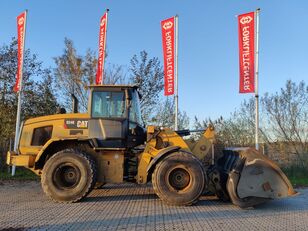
column 57, row 117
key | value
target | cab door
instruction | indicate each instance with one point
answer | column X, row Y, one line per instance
column 109, row 118
column 136, row 132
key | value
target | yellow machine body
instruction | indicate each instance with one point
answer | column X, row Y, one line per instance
column 117, row 149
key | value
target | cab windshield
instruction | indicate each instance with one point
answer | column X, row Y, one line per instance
column 108, row 104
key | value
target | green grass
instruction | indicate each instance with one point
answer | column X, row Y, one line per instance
column 299, row 182
column 297, row 175
column 20, row 174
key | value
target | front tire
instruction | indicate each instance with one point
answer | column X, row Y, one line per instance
column 179, row 179
column 68, row 176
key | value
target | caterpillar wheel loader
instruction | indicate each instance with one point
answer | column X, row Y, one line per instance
column 74, row 152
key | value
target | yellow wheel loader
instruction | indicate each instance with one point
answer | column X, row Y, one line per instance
column 74, row 152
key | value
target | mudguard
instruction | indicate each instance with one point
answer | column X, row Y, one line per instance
column 159, row 156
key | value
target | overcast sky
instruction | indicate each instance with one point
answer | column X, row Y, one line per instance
column 208, row 43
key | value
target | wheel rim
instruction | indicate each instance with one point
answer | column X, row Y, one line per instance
column 179, row 178
column 66, row 176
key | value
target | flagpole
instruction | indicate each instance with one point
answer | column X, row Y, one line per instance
column 176, row 96
column 17, row 128
column 256, row 81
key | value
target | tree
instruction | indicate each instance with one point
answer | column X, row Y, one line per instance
column 32, row 91
column 74, row 73
column 237, row 130
column 287, row 117
column 283, row 123
column 114, row 74
column 41, row 99
column 37, row 97
column 164, row 116
column 148, row 75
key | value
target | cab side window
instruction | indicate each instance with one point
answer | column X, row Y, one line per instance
column 41, row 135
column 135, row 113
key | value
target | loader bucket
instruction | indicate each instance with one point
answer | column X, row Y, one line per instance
column 253, row 178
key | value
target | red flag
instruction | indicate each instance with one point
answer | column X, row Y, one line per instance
column 246, row 30
column 21, row 29
column 168, row 28
column 101, row 49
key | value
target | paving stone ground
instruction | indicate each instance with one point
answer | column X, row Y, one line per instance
column 23, row 206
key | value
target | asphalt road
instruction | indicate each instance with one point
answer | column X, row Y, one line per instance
column 23, row 206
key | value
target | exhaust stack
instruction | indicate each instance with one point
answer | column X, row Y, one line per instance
column 75, row 103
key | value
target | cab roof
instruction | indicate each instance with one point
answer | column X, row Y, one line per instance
column 113, row 86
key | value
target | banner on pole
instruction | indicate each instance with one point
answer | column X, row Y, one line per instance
column 246, row 30
column 168, row 27
column 21, row 28
column 101, row 48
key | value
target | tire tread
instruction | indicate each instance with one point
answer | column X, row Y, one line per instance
column 93, row 175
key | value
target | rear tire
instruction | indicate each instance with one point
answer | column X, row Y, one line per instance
column 68, row 176
column 179, row 179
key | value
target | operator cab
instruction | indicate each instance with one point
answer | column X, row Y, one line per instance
column 115, row 117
